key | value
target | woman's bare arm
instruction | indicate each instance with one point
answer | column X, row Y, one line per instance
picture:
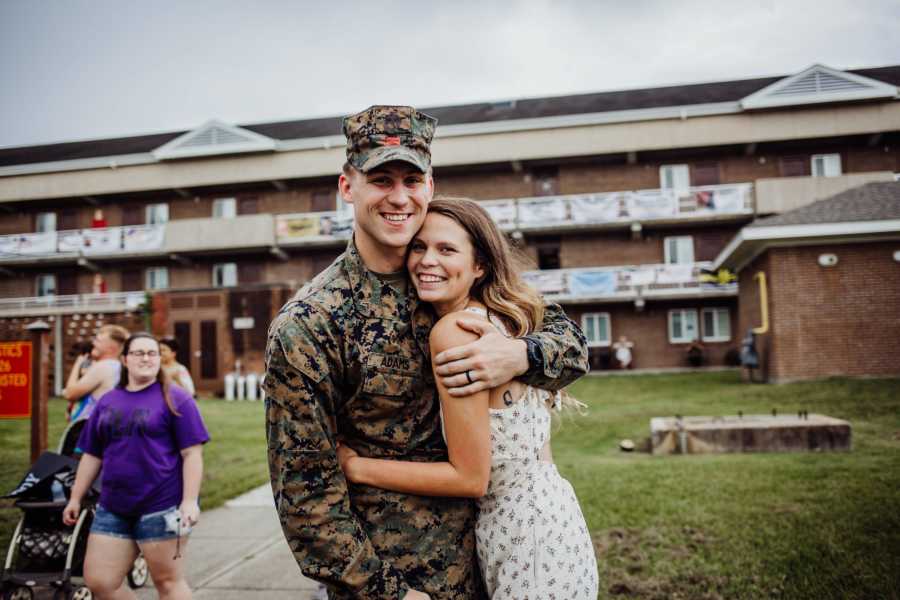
column 467, row 429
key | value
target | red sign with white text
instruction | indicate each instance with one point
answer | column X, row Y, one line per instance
column 15, row 380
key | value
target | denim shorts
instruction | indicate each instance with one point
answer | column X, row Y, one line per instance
column 154, row 527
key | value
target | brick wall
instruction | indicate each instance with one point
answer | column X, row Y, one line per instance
column 841, row 320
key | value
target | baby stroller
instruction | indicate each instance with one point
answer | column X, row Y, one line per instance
column 44, row 551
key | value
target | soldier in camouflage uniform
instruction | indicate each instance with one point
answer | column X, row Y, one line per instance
column 347, row 359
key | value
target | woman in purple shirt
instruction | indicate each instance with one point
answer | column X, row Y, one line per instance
column 148, row 438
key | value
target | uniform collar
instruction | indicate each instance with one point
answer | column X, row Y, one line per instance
column 372, row 298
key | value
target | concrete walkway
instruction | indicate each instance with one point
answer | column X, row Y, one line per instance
column 238, row 551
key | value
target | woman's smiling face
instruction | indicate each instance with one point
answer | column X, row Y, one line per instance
column 442, row 264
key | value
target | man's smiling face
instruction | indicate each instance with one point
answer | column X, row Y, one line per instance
column 389, row 205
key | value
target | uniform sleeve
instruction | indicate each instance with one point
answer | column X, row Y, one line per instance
column 563, row 349
column 328, row 542
column 189, row 427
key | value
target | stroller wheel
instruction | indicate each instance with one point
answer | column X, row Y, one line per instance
column 79, row 592
column 19, row 593
column 137, row 577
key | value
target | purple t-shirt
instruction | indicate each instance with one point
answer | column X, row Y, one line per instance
column 139, row 441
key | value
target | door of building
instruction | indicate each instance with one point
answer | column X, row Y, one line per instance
column 198, row 324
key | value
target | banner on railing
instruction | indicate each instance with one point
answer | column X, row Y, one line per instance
column 586, row 283
column 88, row 241
column 725, row 200
column 29, row 243
column 546, row 282
column 502, row 212
column 306, row 226
column 596, row 207
column 654, row 204
column 635, row 276
column 541, row 211
column 143, row 238
column 671, row 274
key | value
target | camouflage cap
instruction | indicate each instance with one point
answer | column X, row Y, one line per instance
column 381, row 134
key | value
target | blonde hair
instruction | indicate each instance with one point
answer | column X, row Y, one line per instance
column 117, row 333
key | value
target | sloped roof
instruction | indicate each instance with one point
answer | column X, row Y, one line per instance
column 869, row 202
column 682, row 95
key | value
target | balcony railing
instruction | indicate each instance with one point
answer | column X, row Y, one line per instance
column 318, row 228
column 313, row 227
column 629, row 282
column 83, row 242
column 48, row 305
column 621, row 207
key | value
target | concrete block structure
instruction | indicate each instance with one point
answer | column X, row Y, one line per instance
column 622, row 201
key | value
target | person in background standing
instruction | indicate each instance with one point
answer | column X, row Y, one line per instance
column 177, row 372
column 148, row 438
column 102, row 374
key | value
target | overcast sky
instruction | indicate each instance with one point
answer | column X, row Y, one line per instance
column 84, row 69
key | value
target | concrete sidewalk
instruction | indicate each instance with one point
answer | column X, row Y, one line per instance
column 238, row 551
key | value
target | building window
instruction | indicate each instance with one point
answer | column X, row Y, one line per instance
column 157, row 214
column 716, row 325
column 679, row 250
column 45, row 221
column 225, row 275
column 675, row 177
column 46, row 285
column 596, row 328
column 826, row 165
column 682, row 326
column 224, row 208
column 548, row 256
column 156, row 278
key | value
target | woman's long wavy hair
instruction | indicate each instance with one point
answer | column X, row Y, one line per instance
column 500, row 289
column 161, row 376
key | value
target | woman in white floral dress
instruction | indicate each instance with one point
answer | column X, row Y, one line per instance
column 532, row 540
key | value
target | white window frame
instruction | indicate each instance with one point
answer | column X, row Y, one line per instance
column 156, row 278
column 676, row 178
column 684, row 313
column 684, row 244
column 40, row 287
column 716, row 335
column 224, row 208
column 44, row 222
column 224, row 275
column 156, row 214
column 598, row 316
column 825, row 165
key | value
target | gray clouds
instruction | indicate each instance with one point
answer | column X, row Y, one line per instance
column 83, row 69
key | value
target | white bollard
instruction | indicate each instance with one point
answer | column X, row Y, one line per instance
column 229, row 386
column 252, row 386
column 241, row 381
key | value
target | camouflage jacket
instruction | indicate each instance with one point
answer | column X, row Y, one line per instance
column 348, row 356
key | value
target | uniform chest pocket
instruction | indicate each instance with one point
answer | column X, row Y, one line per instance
column 387, row 382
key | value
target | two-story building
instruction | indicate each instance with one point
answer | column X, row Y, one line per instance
column 621, row 200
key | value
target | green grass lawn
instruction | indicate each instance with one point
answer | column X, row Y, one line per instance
column 792, row 526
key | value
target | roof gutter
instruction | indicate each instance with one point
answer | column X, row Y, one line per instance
column 750, row 242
